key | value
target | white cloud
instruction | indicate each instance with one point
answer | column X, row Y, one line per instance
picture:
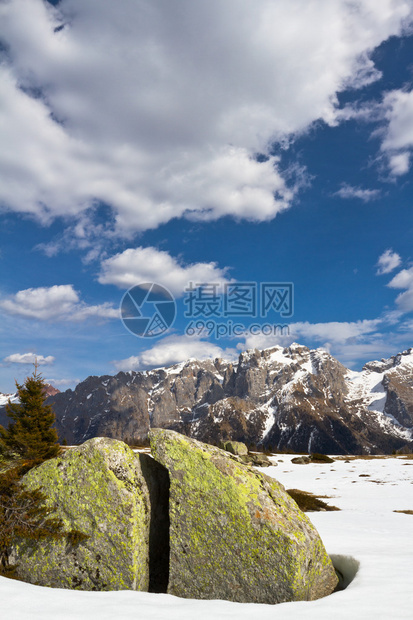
column 158, row 109
column 387, row 262
column 29, row 358
column 54, row 303
column 352, row 343
column 332, row 332
column 407, row 326
column 63, row 382
column 398, row 134
column 83, row 234
column 399, row 164
column 404, row 280
column 347, row 191
column 335, row 331
column 138, row 265
column 172, row 350
column 369, row 348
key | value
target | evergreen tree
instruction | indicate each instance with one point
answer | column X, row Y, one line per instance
column 30, row 433
column 23, row 515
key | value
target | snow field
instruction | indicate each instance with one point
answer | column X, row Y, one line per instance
column 366, row 529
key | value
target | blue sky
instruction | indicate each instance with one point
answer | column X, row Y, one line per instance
column 222, row 142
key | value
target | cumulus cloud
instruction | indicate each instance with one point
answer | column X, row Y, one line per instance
column 404, row 280
column 172, row 350
column 331, row 332
column 54, row 303
column 159, row 109
column 29, row 358
column 352, row 343
column 336, row 331
column 138, row 265
column 368, row 348
column 398, row 134
column 366, row 195
column 387, row 262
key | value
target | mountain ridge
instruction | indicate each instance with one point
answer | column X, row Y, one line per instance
column 286, row 398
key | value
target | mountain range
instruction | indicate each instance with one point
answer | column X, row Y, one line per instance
column 288, row 399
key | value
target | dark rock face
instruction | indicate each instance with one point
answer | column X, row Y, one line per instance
column 399, row 398
column 287, row 399
column 50, row 390
column 235, row 534
column 157, row 482
column 104, row 406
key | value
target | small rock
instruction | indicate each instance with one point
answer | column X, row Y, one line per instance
column 260, row 460
column 301, row 460
column 236, row 447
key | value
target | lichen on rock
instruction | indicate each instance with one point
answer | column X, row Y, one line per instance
column 98, row 489
column 234, row 533
column 234, row 447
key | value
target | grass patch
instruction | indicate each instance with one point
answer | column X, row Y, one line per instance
column 308, row 502
column 364, row 457
column 321, row 458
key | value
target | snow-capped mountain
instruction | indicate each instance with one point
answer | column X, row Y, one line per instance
column 4, row 399
column 288, row 398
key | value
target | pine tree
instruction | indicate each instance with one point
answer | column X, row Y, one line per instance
column 23, row 515
column 30, row 433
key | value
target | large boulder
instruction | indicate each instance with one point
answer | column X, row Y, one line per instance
column 234, row 533
column 99, row 489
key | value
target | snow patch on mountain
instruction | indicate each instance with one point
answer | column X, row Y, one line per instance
column 270, row 413
column 4, row 399
column 279, row 356
column 367, row 387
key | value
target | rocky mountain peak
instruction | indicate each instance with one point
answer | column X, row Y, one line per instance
column 404, row 358
column 292, row 398
column 50, row 390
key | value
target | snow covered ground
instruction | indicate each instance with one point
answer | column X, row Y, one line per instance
column 366, row 528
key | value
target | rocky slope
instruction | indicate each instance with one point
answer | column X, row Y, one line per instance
column 288, row 398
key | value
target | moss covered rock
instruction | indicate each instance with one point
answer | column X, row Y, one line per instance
column 234, row 533
column 235, row 447
column 99, row 489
